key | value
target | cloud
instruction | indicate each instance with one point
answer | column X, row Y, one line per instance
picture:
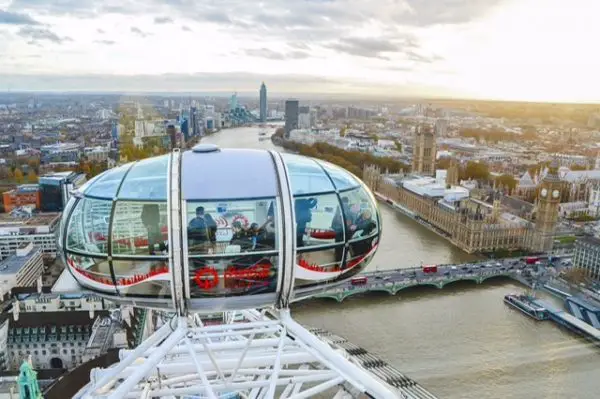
column 206, row 83
column 14, row 18
column 216, row 17
column 186, row 28
column 414, row 56
column 107, row 42
column 430, row 12
column 299, row 45
column 138, row 31
column 36, row 35
column 101, row 31
column 364, row 47
column 163, row 20
column 274, row 55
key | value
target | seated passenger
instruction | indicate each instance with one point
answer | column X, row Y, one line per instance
column 364, row 224
column 253, row 232
column 240, row 237
column 202, row 231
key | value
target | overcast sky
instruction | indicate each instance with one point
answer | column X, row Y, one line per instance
column 499, row 49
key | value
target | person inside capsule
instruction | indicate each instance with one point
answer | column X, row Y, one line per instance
column 150, row 219
column 303, row 208
column 202, row 232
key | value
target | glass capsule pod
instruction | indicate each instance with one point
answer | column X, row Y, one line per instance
column 215, row 229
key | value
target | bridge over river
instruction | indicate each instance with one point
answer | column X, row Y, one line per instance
column 392, row 281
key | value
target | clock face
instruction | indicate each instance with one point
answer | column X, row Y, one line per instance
column 555, row 193
column 544, row 192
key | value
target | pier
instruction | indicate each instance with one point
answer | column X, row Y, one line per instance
column 570, row 322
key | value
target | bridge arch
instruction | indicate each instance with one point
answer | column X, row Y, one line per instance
column 494, row 276
column 415, row 285
column 459, row 280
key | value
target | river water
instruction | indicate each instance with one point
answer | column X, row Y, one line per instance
column 459, row 342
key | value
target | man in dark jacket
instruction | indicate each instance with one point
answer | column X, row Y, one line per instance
column 303, row 208
column 202, row 230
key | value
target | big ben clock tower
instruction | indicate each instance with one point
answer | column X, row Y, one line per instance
column 547, row 211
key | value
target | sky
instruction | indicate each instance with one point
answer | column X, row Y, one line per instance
column 531, row 50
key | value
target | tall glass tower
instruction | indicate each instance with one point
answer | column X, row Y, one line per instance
column 263, row 102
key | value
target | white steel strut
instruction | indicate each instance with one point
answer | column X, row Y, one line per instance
column 260, row 356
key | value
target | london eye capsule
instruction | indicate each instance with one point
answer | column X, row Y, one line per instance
column 215, row 229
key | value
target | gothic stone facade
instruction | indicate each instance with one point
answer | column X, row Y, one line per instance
column 467, row 229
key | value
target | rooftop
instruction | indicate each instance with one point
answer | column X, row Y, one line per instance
column 40, row 219
column 13, row 263
column 25, row 189
column 58, row 319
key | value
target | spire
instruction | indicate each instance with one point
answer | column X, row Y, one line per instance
column 552, row 173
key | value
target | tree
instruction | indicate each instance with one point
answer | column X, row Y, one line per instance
column 476, row 171
column 31, row 176
column 34, row 164
column 19, row 176
column 443, row 163
column 507, row 181
column 575, row 275
column 578, row 167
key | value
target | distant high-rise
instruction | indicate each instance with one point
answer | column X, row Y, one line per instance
column 291, row 116
column 263, row 102
column 233, row 102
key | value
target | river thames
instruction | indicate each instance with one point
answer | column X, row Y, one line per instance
column 459, row 342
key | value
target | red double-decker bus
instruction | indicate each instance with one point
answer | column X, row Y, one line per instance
column 358, row 281
column 430, row 269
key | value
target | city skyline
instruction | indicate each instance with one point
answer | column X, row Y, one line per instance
column 526, row 50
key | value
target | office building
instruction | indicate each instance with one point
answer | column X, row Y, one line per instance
column 291, row 116
column 587, row 256
column 39, row 230
column 23, row 195
column 21, row 269
column 55, row 330
column 55, row 189
column 60, row 152
column 263, row 102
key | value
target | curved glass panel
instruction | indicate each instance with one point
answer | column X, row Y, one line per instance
column 87, row 229
column 91, row 272
column 342, row 179
column 306, row 176
column 318, row 266
column 143, row 277
column 140, row 228
column 64, row 222
column 360, row 213
column 361, row 252
column 146, row 180
column 228, row 173
column 233, row 276
column 108, row 183
column 85, row 186
column 231, row 227
column 318, row 220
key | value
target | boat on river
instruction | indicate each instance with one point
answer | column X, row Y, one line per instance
column 525, row 304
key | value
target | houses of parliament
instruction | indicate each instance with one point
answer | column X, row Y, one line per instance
column 475, row 220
